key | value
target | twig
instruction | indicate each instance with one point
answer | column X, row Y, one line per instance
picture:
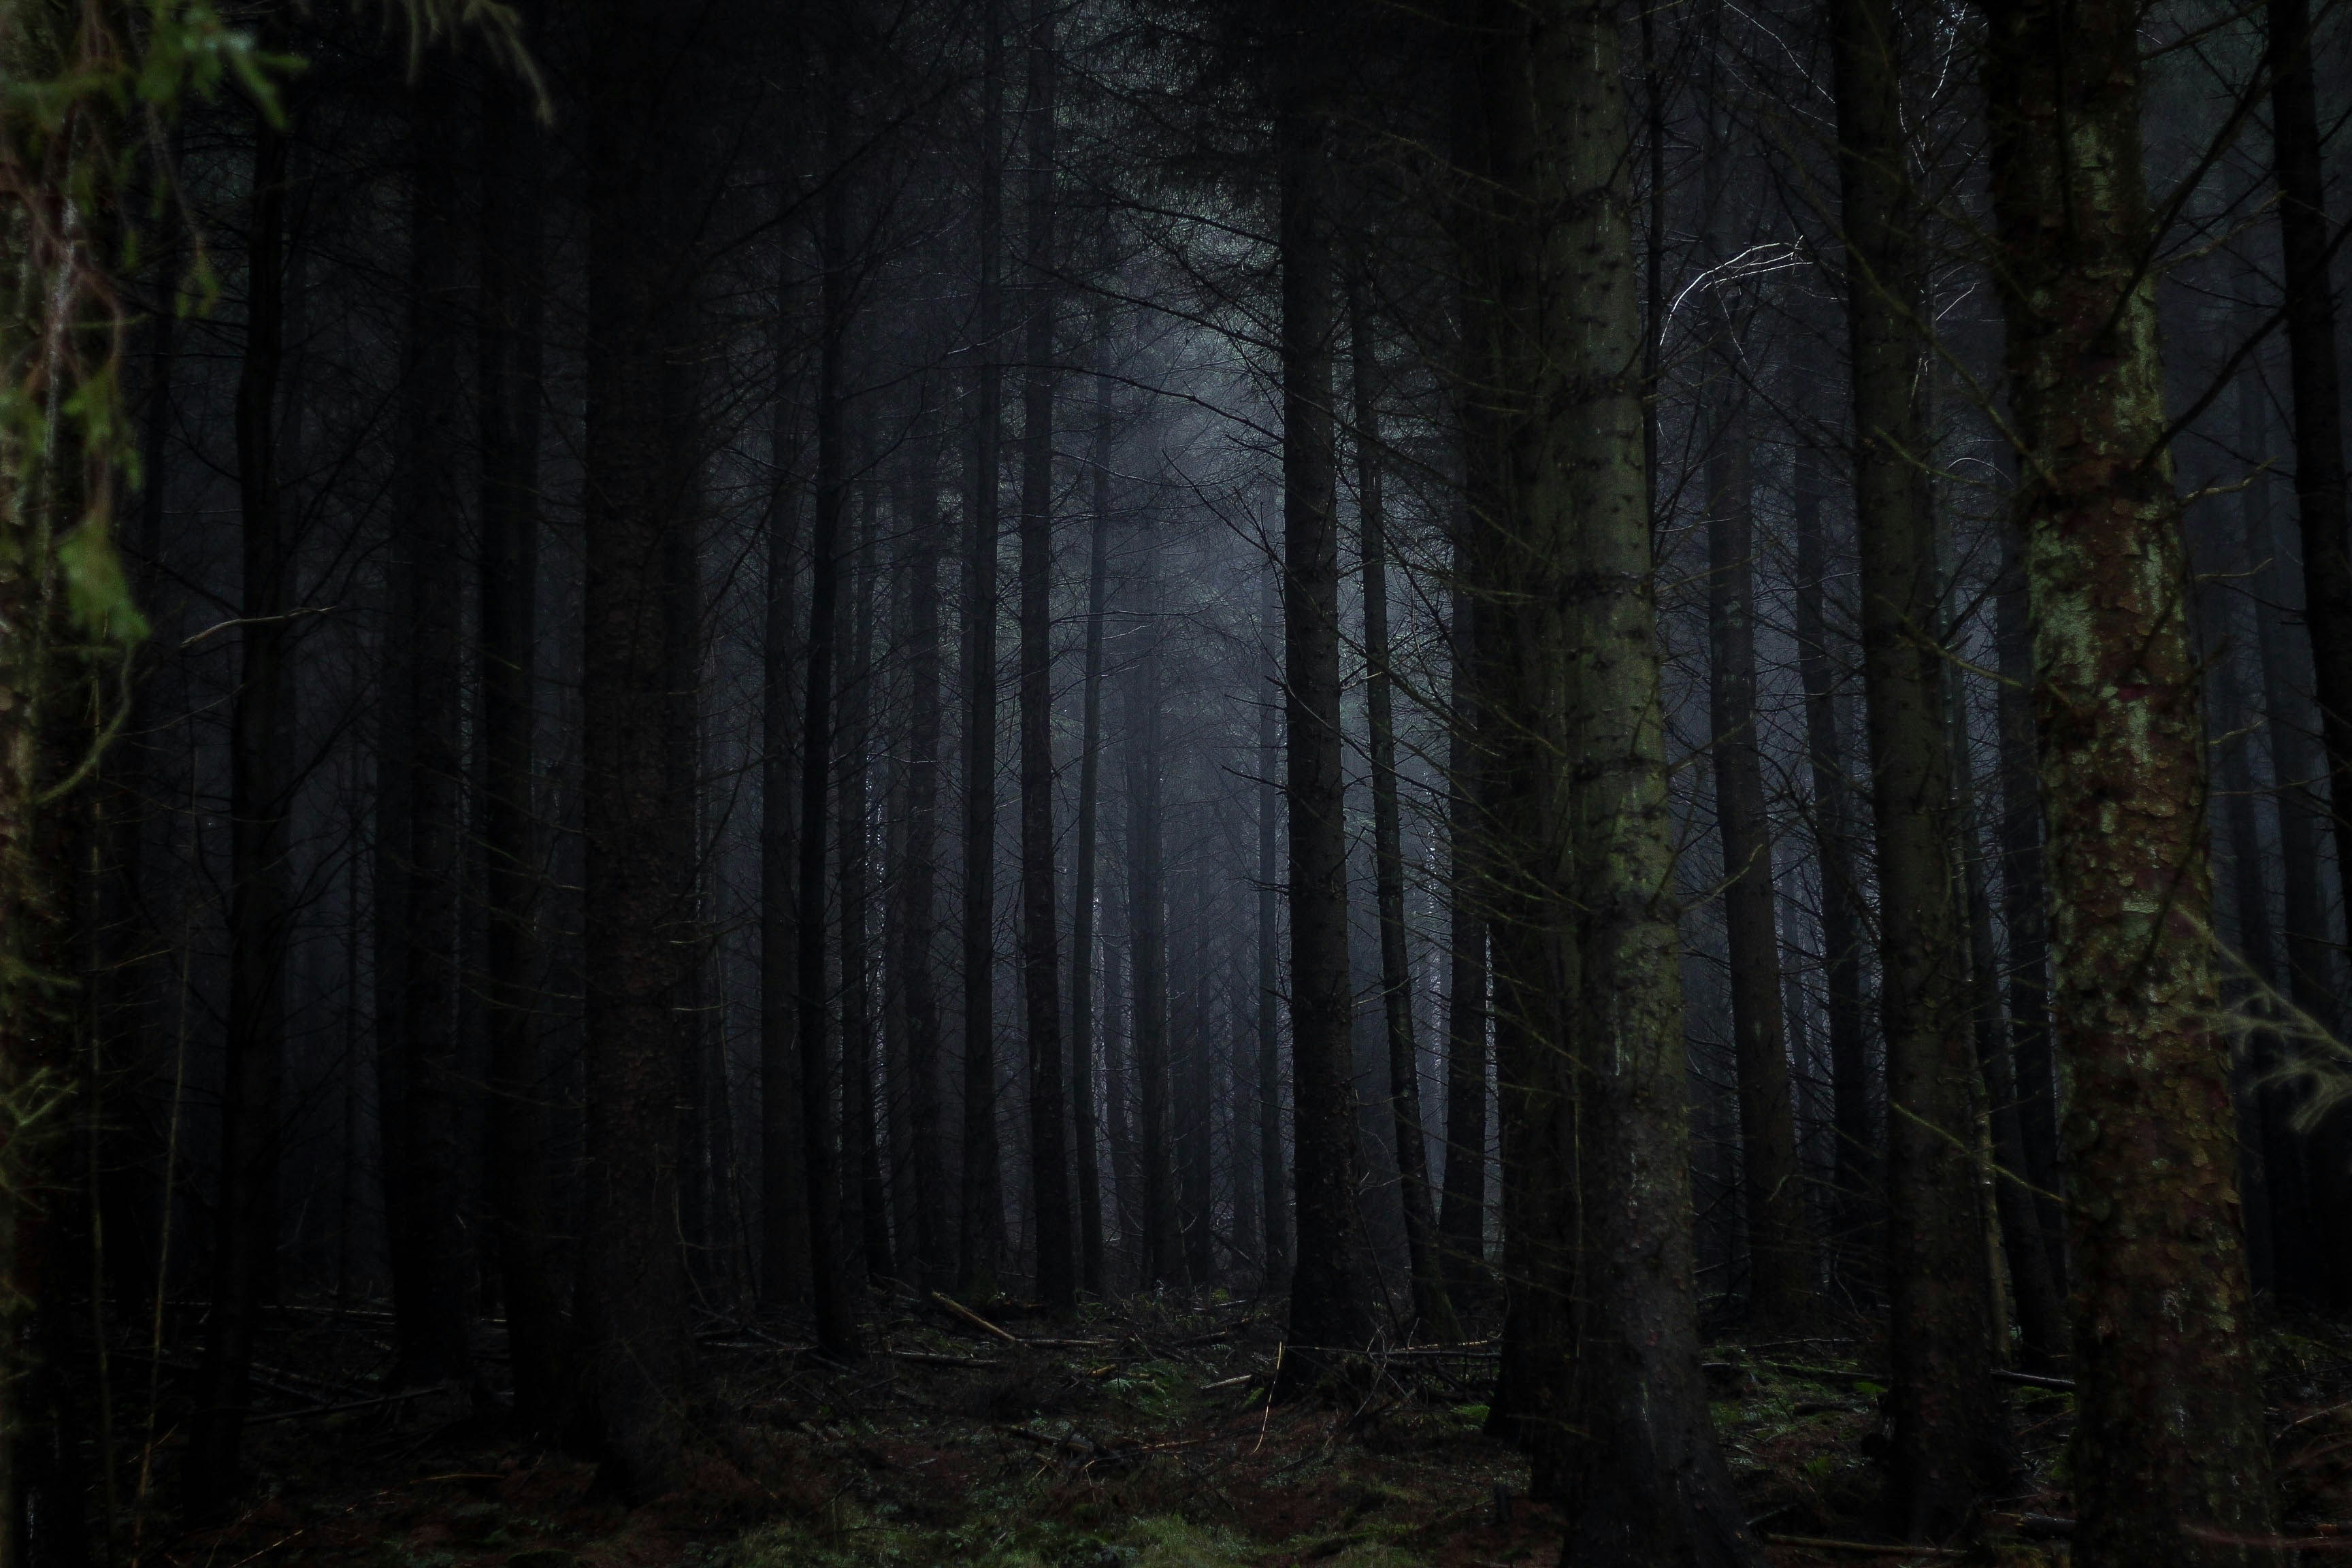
column 354, row 1405
column 975, row 1319
column 1227, row 1382
column 1273, row 1381
column 1865, row 1548
column 929, row 1358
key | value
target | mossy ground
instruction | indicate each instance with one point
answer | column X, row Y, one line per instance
column 1149, row 1445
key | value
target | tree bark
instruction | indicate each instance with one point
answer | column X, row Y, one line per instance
column 509, row 345
column 1644, row 1479
column 2171, row 1431
column 1433, row 1310
column 866, row 1219
column 1058, row 1275
column 1949, row 1444
column 1328, row 1308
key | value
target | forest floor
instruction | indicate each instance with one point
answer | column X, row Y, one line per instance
column 1138, row 1438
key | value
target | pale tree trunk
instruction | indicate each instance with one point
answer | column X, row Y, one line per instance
column 2171, row 1460
column 1949, row 1443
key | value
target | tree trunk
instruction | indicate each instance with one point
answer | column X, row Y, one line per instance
column 424, row 1174
column 1854, row 1159
column 980, row 1223
column 1432, row 1310
column 1462, row 1216
column 1645, row 1482
column 1058, row 1282
column 509, row 345
column 1949, row 1444
column 1147, row 925
column 2025, row 908
column 1275, row 1210
column 1772, row 1189
column 865, row 1207
column 2170, row 1439
column 916, row 884
column 632, row 1346
column 2315, row 373
column 829, row 1278
column 245, row 1233
column 784, row 1203
column 1084, row 1028
column 1328, row 1308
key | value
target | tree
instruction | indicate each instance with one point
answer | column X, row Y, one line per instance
column 1949, row 1444
column 2169, row 1461
column 1057, row 1279
column 1326, row 1308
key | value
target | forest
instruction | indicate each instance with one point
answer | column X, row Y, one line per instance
column 1174, row 783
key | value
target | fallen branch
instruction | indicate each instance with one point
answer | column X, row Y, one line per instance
column 958, row 1310
column 931, row 1358
column 2033, row 1380
column 1227, row 1382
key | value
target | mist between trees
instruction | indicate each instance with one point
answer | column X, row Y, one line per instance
column 1502, row 673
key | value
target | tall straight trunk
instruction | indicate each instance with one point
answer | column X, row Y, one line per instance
column 915, row 886
column 245, row 1225
column 423, row 1174
column 980, row 1222
column 1147, row 926
column 1049, row 1155
column 783, row 1202
column 2040, row 1308
column 682, row 613
column 829, row 1278
column 1519, row 779
column 508, row 346
column 1119, row 1102
column 1854, row 1156
column 1195, row 1126
column 1275, row 1211
column 866, row 1201
column 1949, row 1444
column 1462, row 1216
column 1432, row 1310
column 1083, row 1028
column 1647, row 1481
column 2304, row 958
column 2316, row 372
column 630, row 1336
column 2170, row 1461
column 1328, row 1306
column 2025, row 907
column 1772, row 1190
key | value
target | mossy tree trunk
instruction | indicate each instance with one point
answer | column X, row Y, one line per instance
column 2169, row 1461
